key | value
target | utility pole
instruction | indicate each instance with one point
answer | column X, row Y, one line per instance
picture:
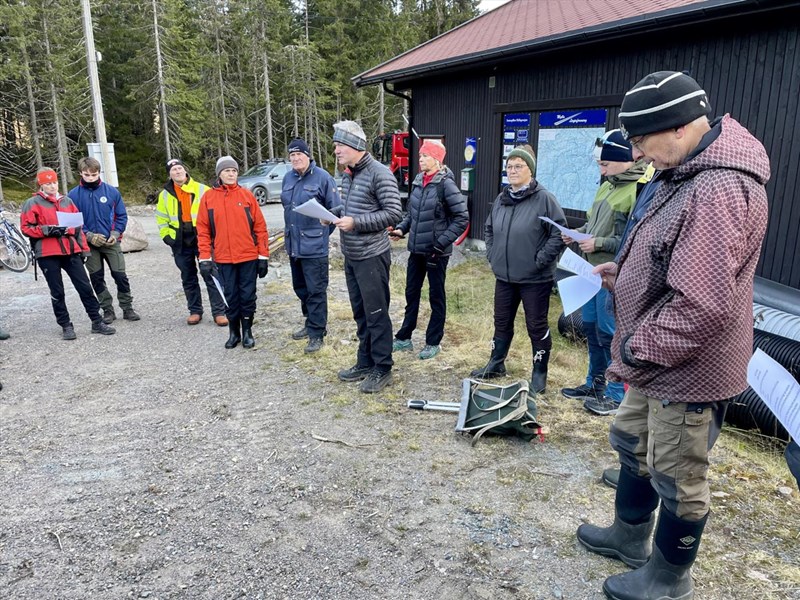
column 94, row 83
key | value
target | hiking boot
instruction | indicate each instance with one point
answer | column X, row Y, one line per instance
column 539, row 372
column 68, row 333
column 496, row 367
column 221, row 320
column 109, row 316
column 611, row 478
column 194, row 319
column 604, row 406
column 585, row 391
column 102, row 327
column 354, row 373
column 300, row 334
column 402, row 345
column 314, row 345
column 429, row 352
column 629, row 543
column 376, row 381
column 130, row 315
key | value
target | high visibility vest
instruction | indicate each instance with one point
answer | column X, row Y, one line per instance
column 168, row 208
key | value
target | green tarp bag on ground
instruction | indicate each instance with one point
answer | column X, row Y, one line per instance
column 498, row 409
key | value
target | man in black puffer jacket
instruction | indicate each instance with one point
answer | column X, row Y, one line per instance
column 370, row 204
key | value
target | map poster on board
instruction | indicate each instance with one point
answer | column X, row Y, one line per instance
column 565, row 163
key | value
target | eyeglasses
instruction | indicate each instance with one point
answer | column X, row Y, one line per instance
column 515, row 167
column 600, row 142
column 637, row 142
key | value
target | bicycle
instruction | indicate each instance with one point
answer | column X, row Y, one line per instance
column 15, row 251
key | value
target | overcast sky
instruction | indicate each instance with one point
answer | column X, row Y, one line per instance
column 490, row 4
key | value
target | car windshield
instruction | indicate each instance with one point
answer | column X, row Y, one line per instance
column 258, row 170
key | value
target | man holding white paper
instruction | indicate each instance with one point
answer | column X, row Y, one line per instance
column 307, row 240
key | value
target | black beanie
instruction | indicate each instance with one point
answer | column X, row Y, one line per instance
column 298, row 145
column 175, row 161
column 661, row 101
column 613, row 147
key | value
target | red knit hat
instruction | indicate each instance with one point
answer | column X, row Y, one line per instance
column 434, row 149
column 46, row 176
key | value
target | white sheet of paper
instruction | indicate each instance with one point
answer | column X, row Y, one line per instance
column 777, row 388
column 575, row 235
column 580, row 266
column 315, row 210
column 219, row 288
column 576, row 291
column 66, row 219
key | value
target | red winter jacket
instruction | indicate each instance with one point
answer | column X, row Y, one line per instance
column 39, row 212
column 230, row 226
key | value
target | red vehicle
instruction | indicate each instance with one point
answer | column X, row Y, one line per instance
column 392, row 150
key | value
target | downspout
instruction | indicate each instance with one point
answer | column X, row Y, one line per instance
column 411, row 131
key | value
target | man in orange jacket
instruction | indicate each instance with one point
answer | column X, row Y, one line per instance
column 233, row 241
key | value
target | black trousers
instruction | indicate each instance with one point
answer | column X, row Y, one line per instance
column 535, row 298
column 239, row 282
column 186, row 260
column 72, row 265
column 368, row 286
column 310, row 283
column 420, row 265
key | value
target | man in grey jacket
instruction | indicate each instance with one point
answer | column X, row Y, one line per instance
column 370, row 204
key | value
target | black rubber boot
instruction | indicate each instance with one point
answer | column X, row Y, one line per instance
column 628, row 538
column 247, row 334
column 235, row 335
column 667, row 575
column 496, row 367
column 539, row 373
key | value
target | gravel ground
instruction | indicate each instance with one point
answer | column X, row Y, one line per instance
column 156, row 464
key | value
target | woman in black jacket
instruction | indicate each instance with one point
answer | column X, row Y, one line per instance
column 522, row 250
column 437, row 216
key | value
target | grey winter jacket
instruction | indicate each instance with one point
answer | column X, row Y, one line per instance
column 371, row 197
column 520, row 246
column 437, row 215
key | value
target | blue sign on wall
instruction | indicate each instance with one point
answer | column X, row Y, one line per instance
column 470, row 150
column 522, row 135
column 574, row 118
column 517, row 120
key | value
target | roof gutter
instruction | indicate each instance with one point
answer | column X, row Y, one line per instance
column 410, row 104
column 697, row 14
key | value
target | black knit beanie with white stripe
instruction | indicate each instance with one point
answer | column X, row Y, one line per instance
column 661, row 101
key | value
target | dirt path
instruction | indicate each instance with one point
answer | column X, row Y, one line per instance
column 156, row 464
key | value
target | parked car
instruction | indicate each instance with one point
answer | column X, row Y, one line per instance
column 265, row 180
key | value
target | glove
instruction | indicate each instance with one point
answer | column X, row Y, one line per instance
column 112, row 239
column 206, row 267
column 169, row 241
column 96, row 239
column 54, row 231
column 263, row 267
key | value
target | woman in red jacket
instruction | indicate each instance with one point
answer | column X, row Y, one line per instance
column 234, row 245
column 58, row 248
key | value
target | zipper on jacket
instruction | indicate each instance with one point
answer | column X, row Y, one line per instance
column 508, row 235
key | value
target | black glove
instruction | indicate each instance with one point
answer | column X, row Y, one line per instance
column 169, row 241
column 206, row 267
column 53, row 231
column 263, row 267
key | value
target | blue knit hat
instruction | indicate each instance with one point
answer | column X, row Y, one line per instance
column 613, row 147
column 298, row 145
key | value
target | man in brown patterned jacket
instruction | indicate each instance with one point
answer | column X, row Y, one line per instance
column 683, row 291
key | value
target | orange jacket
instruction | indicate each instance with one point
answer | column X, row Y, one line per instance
column 230, row 226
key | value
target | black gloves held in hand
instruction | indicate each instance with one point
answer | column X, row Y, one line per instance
column 54, row 231
column 263, row 267
column 206, row 267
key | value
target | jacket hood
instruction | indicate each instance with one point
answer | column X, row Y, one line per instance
column 441, row 174
column 733, row 147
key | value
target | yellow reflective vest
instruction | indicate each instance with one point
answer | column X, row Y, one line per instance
column 168, row 207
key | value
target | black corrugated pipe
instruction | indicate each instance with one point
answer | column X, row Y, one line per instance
column 747, row 410
column 411, row 132
column 571, row 327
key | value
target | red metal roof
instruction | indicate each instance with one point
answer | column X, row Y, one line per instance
column 522, row 21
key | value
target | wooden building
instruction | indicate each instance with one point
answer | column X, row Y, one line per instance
column 552, row 73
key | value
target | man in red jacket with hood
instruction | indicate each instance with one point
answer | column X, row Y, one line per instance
column 58, row 248
column 683, row 293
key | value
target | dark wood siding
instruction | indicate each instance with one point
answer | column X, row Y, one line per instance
column 750, row 69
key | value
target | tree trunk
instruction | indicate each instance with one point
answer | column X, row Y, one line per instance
column 161, row 91
column 37, row 146
column 61, row 138
column 267, row 104
column 222, row 95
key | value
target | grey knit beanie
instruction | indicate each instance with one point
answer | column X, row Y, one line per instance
column 350, row 134
column 226, row 162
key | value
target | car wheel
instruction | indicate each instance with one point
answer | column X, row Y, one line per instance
column 261, row 194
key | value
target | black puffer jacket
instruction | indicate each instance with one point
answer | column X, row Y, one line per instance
column 437, row 214
column 371, row 197
column 520, row 246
